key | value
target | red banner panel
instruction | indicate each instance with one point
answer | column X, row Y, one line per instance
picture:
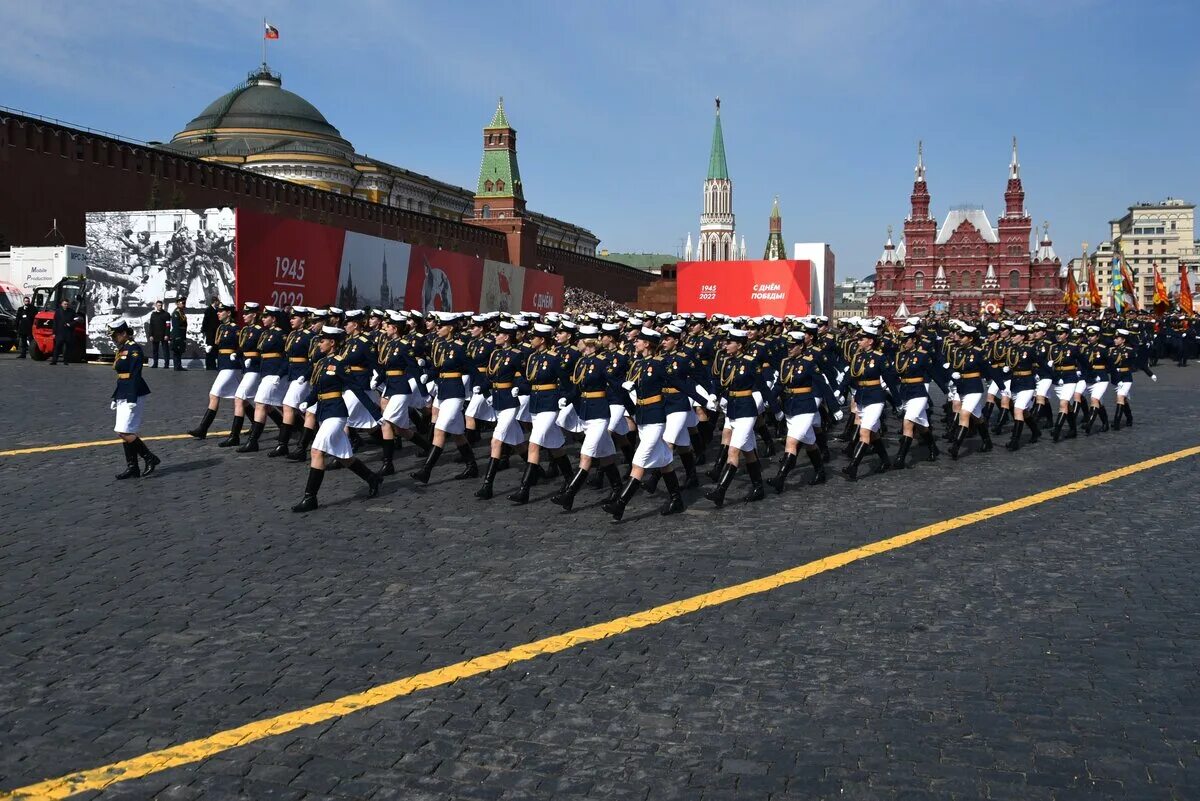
column 440, row 280
column 285, row 262
column 543, row 292
column 744, row 288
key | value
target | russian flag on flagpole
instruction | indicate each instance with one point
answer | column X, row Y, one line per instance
column 271, row 31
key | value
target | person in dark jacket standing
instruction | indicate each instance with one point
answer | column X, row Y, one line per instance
column 179, row 332
column 64, row 330
column 156, row 332
column 25, row 315
column 208, row 329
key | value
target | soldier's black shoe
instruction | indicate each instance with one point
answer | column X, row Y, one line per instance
column 298, row 455
column 373, row 484
column 717, row 493
column 279, row 450
column 757, row 492
column 674, row 504
column 250, row 446
column 901, row 461
column 307, row 504
column 532, row 472
column 232, row 441
column 885, row 461
column 650, row 483
column 691, row 481
column 470, row 471
column 131, row 471
column 566, row 496
column 616, row 507
column 388, row 468
column 485, row 492
column 152, row 462
column 422, row 475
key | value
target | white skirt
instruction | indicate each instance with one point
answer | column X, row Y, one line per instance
column 1043, row 387
column 297, row 392
column 617, row 423
column 1123, row 388
column 507, row 429
column 450, row 416
column 651, row 451
column 358, row 415
column 248, row 386
column 129, row 417
column 1096, row 391
column 1081, row 387
column 916, row 411
column 869, row 415
column 546, row 433
column 480, row 409
column 675, row 430
column 1023, row 399
column 331, row 438
column 271, row 390
column 743, row 433
column 1065, row 392
column 523, row 409
column 972, row 403
column 800, row 428
column 569, row 420
column 597, row 441
column 226, row 383
column 396, row 411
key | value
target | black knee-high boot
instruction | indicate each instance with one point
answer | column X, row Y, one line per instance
column 563, row 463
column 1014, row 442
column 823, row 444
column 234, row 439
column 1128, row 413
column 1089, row 416
column 960, row 437
column 1070, row 426
column 902, row 452
column 885, row 461
column 717, row 493
column 851, row 444
column 818, row 464
column 362, row 471
column 850, row 471
column 613, row 476
column 847, row 432
column 131, row 464
column 201, row 431
column 690, row 479
column 616, row 507
column 421, row 444
column 1035, row 430
column 756, row 493
column 674, row 504
column 306, row 441
column 719, row 463
column 484, row 493
column 928, row 439
column 627, row 452
column 152, row 461
column 785, row 467
column 309, row 502
column 471, row 470
column 423, row 474
column 530, row 478
column 982, row 427
column 251, row 443
column 275, row 416
column 566, row 496
column 285, row 436
column 650, row 482
column 1103, row 417
column 764, row 433
column 389, row 452
column 987, row 412
column 999, row 427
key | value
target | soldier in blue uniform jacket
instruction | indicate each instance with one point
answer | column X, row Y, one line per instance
column 127, row 400
column 505, row 370
column 801, row 382
column 399, row 369
column 913, row 367
column 547, row 383
column 1023, row 360
column 327, row 387
column 739, row 378
column 450, row 364
column 971, row 369
column 273, row 381
column 295, row 351
column 229, row 368
column 869, row 368
column 1123, row 359
column 1062, row 359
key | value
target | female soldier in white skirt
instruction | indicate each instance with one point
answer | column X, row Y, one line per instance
column 295, row 350
column 326, row 388
column 1124, row 358
column 800, row 384
column 127, row 399
column 970, row 367
column 249, row 355
column 229, row 367
column 450, row 365
column 738, row 380
column 505, row 368
column 1063, row 363
column 1045, row 380
column 400, row 395
column 548, row 385
column 914, row 370
column 592, row 384
column 273, row 380
column 1023, row 359
column 647, row 378
column 317, row 320
column 618, row 367
column 1096, row 372
column 868, row 366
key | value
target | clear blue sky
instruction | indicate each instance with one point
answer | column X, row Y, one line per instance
column 822, row 102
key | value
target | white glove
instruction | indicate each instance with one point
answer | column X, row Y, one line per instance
column 627, row 386
column 1059, row 382
column 837, row 396
column 839, row 416
column 956, row 375
column 303, row 407
column 476, row 391
column 713, row 401
column 1007, row 368
column 424, row 378
column 779, row 415
column 412, row 386
column 420, row 362
column 724, row 404
column 248, row 363
column 562, row 403
column 946, row 366
column 516, row 393
column 113, row 405
column 1154, row 378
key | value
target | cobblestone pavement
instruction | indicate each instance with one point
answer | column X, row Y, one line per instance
column 1049, row 653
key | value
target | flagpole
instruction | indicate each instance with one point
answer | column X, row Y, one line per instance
column 264, row 38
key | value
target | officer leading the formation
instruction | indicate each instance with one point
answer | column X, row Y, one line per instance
column 128, row 400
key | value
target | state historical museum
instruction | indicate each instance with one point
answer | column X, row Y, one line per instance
column 967, row 267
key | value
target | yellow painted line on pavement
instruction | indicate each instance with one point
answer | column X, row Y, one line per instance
column 70, row 446
column 205, row 747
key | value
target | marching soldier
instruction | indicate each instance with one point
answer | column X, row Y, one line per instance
column 449, row 366
column 127, row 400
column 295, row 351
column 229, row 369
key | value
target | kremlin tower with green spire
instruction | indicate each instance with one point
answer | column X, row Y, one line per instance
column 776, row 250
column 718, row 239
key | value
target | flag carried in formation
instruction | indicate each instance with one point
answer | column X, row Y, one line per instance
column 1161, row 302
column 271, row 31
column 1071, row 295
column 1185, row 290
column 1093, row 288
